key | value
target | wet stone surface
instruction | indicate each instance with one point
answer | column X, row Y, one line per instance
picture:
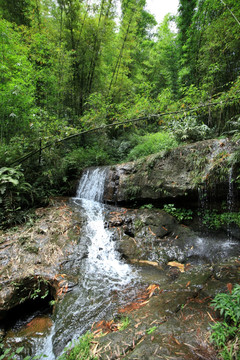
column 175, row 322
column 179, row 272
column 35, row 253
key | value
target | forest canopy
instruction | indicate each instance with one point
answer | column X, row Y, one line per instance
column 69, row 66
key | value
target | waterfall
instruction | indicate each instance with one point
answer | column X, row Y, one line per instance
column 103, row 259
column 91, row 185
column 102, row 275
column 230, row 201
column 203, row 205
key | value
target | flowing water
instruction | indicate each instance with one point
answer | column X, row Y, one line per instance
column 102, row 281
column 230, row 201
column 101, row 275
column 99, row 280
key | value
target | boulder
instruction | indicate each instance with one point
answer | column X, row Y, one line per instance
column 177, row 174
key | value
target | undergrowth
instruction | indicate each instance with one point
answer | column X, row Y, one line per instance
column 179, row 213
column 80, row 349
column 151, row 144
column 226, row 334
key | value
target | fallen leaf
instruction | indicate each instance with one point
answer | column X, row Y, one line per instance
column 211, row 317
column 188, row 283
column 145, row 262
column 137, row 325
column 151, row 231
column 176, row 264
column 229, row 286
column 151, row 289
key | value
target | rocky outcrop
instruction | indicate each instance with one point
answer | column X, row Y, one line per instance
column 175, row 174
column 154, row 237
column 150, row 236
column 175, row 322
column 31, row 257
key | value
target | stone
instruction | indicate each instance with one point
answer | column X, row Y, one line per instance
column 170, row 176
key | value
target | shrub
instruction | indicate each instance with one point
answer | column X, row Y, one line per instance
column 188, row 129
column 151, row 144
column 80, row 349
column 213, row 220
column 178, row 213
column 225, row 334
column 82, row 158
column 15, row 193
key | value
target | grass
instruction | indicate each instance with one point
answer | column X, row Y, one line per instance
column 151, row 144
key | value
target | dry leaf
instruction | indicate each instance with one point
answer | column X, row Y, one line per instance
column 211, row 317
column 177, row 264
column 150, row 230
column 229, row 286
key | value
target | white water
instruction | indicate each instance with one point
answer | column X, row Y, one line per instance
column 101, row 275
column 103, row 259
column 230, row 201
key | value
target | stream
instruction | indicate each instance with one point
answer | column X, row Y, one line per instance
column 100, row 282
column 100, row 273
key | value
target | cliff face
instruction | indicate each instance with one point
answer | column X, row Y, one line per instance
column 177, row 174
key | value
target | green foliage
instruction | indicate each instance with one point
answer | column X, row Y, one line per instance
column 147, row 206
column 66, row 68
column 151, row 330
column 225, row 334
column 189, row 129
column 179, row 213
column 15, row 193
column 8, row 354
column 151, row 144
column 215, row 220
column 124, row 323
column 79, row 349
column 85, row 157
column 17, row 83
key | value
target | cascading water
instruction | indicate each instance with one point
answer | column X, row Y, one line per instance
column 230, row 199
column 103, row 260
column 100, row 273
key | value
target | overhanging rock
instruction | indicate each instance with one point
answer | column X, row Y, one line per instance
column 172, row 175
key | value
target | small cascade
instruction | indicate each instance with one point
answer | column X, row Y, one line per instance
column 203, row 204
column 102, row 275
column 230, row 201
column 102, row 256
column 102, row 282
column 91, row 185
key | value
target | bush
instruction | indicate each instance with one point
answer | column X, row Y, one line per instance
column 80, row 349
column 188, row 129
column 178, row 213
column 15, row 194
column 151, row 144
column 213, row 220
column 225, row 334
column 81, row 158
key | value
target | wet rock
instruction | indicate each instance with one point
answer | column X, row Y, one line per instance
column 30, row 256
column 151, row 235
column 175, row 322
column 172, row 175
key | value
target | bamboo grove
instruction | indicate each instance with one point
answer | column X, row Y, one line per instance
column 71, row 65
